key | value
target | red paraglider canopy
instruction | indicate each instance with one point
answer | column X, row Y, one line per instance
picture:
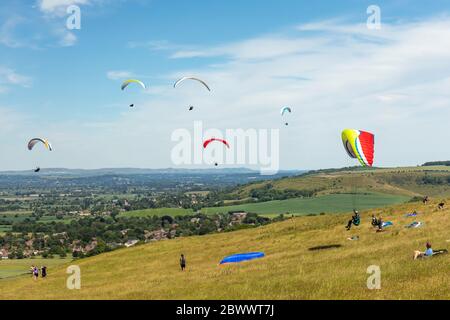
column 207, row 142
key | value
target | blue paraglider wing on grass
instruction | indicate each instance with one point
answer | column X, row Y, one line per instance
column 242, row 257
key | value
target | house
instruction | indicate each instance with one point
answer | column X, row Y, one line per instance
column 238, row 217
column 4, row 254
column 131, row 243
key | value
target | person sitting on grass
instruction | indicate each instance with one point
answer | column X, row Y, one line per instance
column 380, row 224
column 374, row 221
column 425, row 200
column 427, row 253
column 356, row 220
column 441, row 205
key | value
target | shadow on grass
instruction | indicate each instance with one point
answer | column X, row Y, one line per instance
column 328, row 246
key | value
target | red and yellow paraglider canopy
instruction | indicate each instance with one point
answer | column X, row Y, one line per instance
column 359, row 145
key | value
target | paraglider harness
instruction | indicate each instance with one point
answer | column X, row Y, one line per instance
column 356, row 219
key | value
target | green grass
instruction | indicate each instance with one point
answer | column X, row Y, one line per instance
column 16, row 267
column 333, row 203
column 288, row 271
column 13, row 213
column 5, row 228
column 49, row 219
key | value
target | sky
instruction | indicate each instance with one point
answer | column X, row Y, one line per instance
column 319, row 58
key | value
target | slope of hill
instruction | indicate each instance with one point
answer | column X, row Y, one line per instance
column 408, row 181
column 289, row 270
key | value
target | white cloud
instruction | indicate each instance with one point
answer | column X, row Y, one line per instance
column 259, row 48
column 10, row 77
column 68, row 39
column 159, row 45
column 119, row 75
column 7, row 37
column 59, row 7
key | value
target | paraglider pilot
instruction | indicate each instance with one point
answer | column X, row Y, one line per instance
column 355, row 220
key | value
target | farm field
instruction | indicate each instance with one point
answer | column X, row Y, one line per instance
column 333, row 203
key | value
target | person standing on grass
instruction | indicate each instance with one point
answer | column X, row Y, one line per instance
column 43, row 271
column 35, row 273
column 182, row 262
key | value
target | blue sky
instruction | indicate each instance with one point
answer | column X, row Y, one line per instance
column 318, row 57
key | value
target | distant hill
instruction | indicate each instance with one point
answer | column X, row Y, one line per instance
column 405, row 181
column 139, row 171
column 113, row 178
column 437, row 163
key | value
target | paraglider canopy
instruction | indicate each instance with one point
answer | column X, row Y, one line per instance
column 242, row 257
column 359, row 145
column 34, row 141
column 285, row 109
column 191, row 78
column 129, row 81
column 207, row 142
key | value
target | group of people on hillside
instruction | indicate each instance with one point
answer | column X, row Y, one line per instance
column 35, row 272
column 356, row 220
column 378, row 223
column 441, row 204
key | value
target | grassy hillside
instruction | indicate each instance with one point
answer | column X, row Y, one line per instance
column 14, row 268
column 408, row 181
column 332, row 203
column 289, row 270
